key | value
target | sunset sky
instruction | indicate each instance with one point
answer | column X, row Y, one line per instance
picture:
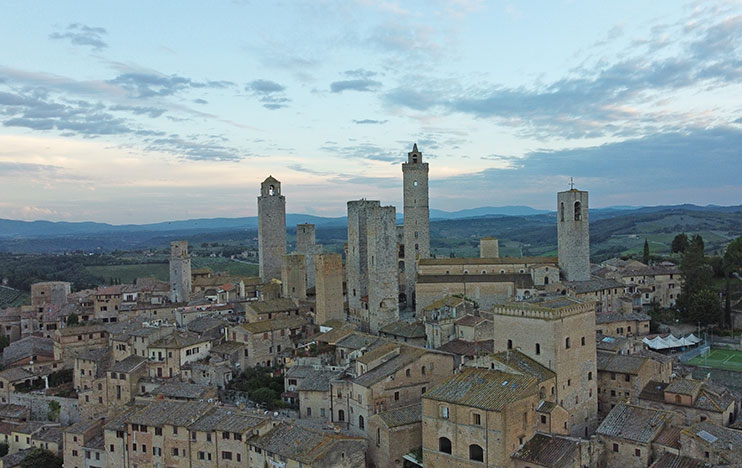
column 137, row 112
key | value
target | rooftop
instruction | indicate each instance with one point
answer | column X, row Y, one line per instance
column 490, row 390
column 448, row 301
column 28, row 347
column 669, row 460
column 633, row 423
column 228, row 419
column 718, row 437
column 407, row 355
column 179, row 340
column 404, row 329
column 470, row 321
column 684, row 386
column 547, row 450
column 619, row 363
column 523, row 280
column 128, row 364
column 619, row 317
column 468, row 348
column 488, row 261
column 358, row 340
column 182, row 390
column 282, row 304
column 402, row 416
column 594, row 284
column 519, row 362
column 303, row 444
column 317, row 381
column 169, row 412
column 275, row 324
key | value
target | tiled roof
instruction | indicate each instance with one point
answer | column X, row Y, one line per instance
column 27, row 347
column 183, row 390
column 470, row 321
column 669, row 460
column 522, row 363
column 109, row 290
column 49, row 434
column 448, row 301
column 377, row 353
column 654, row 355
column 407, row 356
column 618, row 317
column 82, row 426
column 523, row 280
column 15, row 373
column 12, row 460
column 204, row 324
column 299, row 372
column 546, row 407
column 274, row 324
column 83, row 330
column 483, row 388
column 303, row 444
column 402, row 416
column 669, row 437
column 468, row 348
column 334, row 335
column 684, row 386
column 227, row 347
column 358, row 340
column 633, row 423
column 594, row 285
column 718, row 437
column 10, row 411
column 179, row 340
column 169, row 412
column 96, row 443
column 610, row 343
column 228, row 419
column 546, row 450
column 654, row 391
column 281, row 304
column 620, row 363
column 405, row 329
column 128, row 364
column 317, row 381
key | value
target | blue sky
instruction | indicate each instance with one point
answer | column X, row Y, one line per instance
column 132, row 112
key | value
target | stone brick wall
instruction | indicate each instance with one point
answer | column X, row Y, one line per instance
column 180, row 272
column 306, row 244
column 69, row 412
column 294, row 276
column 416, row 218
column 573, row 235
column 383, row 287
column 329, row 288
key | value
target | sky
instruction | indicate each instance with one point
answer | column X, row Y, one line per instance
column 138, row 112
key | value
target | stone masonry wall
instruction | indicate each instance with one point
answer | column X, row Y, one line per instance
column 329, row 287
column 271, row 229
column 69, row 412
column 573, row 235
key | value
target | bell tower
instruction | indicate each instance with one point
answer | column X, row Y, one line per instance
column 573, row 234
column 271, row 229
column 416, row 219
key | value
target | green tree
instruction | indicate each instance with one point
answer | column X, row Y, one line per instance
column 679, row 243
column 54, row 408
column 4, row 449
column 704, row 307
column 4, row 341
column 645, row 257
column 731, row 264
column 39, row 457
column 73, row 319
column 697, row 276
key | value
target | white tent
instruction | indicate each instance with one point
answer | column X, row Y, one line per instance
column 670, row 341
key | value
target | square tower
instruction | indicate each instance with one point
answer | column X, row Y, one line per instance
column 329, row 284
column 373, row 288
column 271, row 229
column 306, row 244
column 294, row 277
column 180, row 272
column 573, row 234
column 416, row 219
column 559, row 333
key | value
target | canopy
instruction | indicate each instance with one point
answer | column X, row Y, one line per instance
column 670, row 341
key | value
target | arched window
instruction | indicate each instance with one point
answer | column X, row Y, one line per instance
column 542, row 393
column 561, row 211
column 578, row 211
column 566, row 343
column 361, row 424
column 476, row 453
column 589, row 376
column 407, row 373
column 341, row 415
column 510, row 344
column 677, row 398
column 423, row 370
column 271, row 190
column 444, row 445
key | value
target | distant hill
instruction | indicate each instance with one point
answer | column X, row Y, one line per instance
column 486, row 211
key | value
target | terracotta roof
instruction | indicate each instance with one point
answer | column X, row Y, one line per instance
column 522, row 363
column 15, row 374
column 618, row 317
column 633, row 423
column 669, row 460
column 334, row 335
column 303, row 444
column 128, row 364
column 468, row 348
column 719, row 437
column 523, row 280
column 488, row 261
column 547, row 450
column 317, row 381
column 83, row 330
column 448, row 301
column 178, row 340
column 483, row 388
column 182, row 390
column 407, row 356
column 227, row 419
column 282, row 304
column 669, row 437
column 28, row 347
column 358, row 340
column 401, row 416
column 470, row 321
column 684, row 386
column 169, row 412
column 275, row 324
column 620, row 363
column 108, row 290
column 405, row 329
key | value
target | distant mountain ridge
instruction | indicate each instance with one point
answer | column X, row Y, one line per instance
column 10, row 229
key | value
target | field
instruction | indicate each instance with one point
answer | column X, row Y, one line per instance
column 161, row 271
column 720, row 359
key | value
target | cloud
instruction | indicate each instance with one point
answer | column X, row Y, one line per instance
column 270, row 93
column 370, row 122
column 80, row 34
column 150, row 84
column 153, row 112
column 200, row 101
column 212, row 149
column 363, row 85
column 360, row 73
column 607, row 99
column 364, row 151
column 15, row 168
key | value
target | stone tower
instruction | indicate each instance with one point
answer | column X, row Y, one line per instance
column 180, row 272
column 306, row 244
column 294, row 276
column 489, row 247
column 416, row 218
column 573, row 234
column 271, row 229
column 329, row 286
column 559, row 333
column 373, row 287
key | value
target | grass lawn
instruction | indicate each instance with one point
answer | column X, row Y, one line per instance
column 720, row 359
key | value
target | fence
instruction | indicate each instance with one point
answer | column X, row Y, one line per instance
column 688, row 355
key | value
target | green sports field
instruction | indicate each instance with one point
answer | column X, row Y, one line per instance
column 720, row 359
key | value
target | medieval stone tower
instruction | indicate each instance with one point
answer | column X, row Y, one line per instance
column 180, row 272
column 573, row 234
column 271, row 229
column 306, row 244
column 329, row 287
column 373, row 287
column 294, row 276
column 416, row 218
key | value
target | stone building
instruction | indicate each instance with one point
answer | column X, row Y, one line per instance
column 440, row 319
column 573, row 235
column 306, row 244
column 267, row 341
column 489, row 247
column 373, row 288
column 328, row 276
column 691, row 401
column 712, row 444
column 271, row 229
column 394, row 434
column 553, row 451
column 71, row 342
column 478, row 417
column 627, row 434
column 271, row 309
column 416, row 219
column 108, row 303
column 49, row 293
column 558, row 333
column 294, row 276
column 180, row 272
column 621, row 379
column 171, row 352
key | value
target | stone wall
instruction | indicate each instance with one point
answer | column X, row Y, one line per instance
column 416, row 218
column 69, row 412
column 271, row 229
column 306, row 244
column 294, row 276
column 383, row 287
column 180, row 272
column 329, row 288
column 573, row 235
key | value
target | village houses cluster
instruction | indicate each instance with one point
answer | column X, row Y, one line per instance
column 390, row 357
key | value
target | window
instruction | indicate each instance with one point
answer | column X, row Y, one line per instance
column 613, row 376
column 566, row 343
column 578, row 211
column 193, row 435
column 476, row 453
column 615, row 447
column 175, row 451
column 423, row 370
column 510, row 344
column 226, row 455
column 538, row 348
column 561, row 211
column 237, row 436
column 208, row 437
column 309, row 412
column 361, row 424
column 476, row 419
column 396, row 396
column 582, row 341
column 613, row 393
column 175, row 430
column 378, row 437
column 444, row 445
column 637, row 452
column 444, row 412
column 677, row 398
column 341, row 415
column 590, row 375
column 158, row 431
column 627, row 378
column 543, row 419
column 407, row 373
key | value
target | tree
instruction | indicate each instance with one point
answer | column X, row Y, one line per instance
column 646, row 251
column 73, row 320
column 731, row 264
column 4, row 449
column 39, row 457
column 697, row 277
column 679, row 243
column 704, row 307
column 4, row 341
